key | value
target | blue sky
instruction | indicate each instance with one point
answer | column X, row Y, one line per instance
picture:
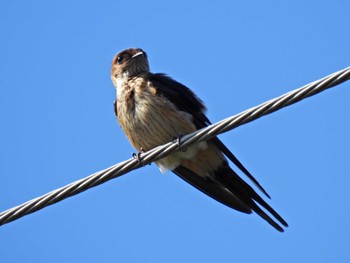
column 58, row 125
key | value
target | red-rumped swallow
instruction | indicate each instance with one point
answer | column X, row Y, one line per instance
column 153, row 109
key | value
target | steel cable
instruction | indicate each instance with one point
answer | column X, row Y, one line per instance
column 166, row 149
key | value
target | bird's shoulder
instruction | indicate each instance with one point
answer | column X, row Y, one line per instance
column 181, row 96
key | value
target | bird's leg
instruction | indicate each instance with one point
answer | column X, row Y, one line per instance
column 138, row 156
column 178, row 140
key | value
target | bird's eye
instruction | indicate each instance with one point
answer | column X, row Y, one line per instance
column 119, row 59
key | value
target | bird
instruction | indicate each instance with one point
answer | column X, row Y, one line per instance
column 152, row 109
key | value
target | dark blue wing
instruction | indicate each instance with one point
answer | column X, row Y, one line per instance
column 185, row 100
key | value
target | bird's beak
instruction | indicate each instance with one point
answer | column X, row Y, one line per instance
column 137, row 54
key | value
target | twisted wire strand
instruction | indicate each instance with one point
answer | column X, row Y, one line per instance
column 166, row 149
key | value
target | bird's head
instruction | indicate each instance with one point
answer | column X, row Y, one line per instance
column 129, row 63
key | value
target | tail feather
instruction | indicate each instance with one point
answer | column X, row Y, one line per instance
column 236, row 162
column 212, row 188
column 225, row 186
column 246, row 193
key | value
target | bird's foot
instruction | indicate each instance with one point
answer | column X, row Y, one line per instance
column 138, row 156
column 178, row 140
